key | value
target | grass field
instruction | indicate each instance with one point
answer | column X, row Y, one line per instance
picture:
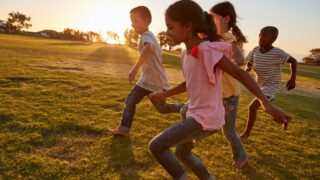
column 54, row 120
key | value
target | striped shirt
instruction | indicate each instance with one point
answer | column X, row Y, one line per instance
column 267, row 67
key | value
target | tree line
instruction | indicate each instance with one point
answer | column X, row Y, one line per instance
column 17, row 22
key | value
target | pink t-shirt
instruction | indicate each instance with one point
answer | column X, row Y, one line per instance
column 204, row 84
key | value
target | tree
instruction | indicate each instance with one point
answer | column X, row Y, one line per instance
column 165, row 40
column 313, row 58
column 131, row 38
column 114, row 36
column 18, row 21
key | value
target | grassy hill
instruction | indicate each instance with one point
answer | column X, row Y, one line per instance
column 54, row 120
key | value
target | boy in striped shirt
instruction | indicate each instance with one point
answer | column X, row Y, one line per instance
column 267, row 61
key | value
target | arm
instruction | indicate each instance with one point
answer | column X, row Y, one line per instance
column 291, row 84
column 181, row 88
column 237, row 55
column 248, row 67
column 143, row 57
column 252, row 86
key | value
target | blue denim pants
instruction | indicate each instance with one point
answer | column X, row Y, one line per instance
column 181, row 135
column 229, row 128
column 134, row 97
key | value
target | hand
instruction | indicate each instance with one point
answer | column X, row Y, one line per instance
column 132, row 75
column 291, row 84
column 248, row 68
column 156, row 96
column 277, row 115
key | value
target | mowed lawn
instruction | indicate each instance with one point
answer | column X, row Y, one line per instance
column 54, row 120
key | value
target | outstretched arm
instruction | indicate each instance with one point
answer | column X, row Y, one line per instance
column 181, row 88
column 252, row 86
column 237, row 55
column 143, row 57
column 291, row 84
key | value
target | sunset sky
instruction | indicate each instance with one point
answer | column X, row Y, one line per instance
column 298, row 21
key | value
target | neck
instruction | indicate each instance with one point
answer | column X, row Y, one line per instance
column 265, row 49
column 223, row 29
column 192, row 42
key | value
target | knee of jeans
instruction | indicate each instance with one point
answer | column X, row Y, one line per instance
column 130, row 102
column 230, row 134
column 181, row 153
column 155, row 147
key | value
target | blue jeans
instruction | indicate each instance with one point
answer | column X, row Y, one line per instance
column 181, row 135
column 229, row 128
column 134, row 97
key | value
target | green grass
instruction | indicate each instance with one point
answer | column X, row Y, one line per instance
column 53, row 123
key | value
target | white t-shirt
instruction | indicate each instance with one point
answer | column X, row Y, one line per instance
column 267, row 67
column 153, row 77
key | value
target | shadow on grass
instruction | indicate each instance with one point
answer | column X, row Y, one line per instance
column 122, row 158
column 272, row 164
column 4, row 118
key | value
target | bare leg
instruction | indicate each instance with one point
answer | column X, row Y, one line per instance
column 253, row 108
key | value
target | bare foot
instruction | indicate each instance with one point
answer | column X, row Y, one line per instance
column 244, row 137
column 239, row 164
column 286, row 124
column 119, row 133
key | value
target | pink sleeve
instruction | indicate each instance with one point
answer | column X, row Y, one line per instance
column 210, row 59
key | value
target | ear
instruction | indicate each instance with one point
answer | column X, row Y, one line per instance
column 188, row 26
column 227, row 19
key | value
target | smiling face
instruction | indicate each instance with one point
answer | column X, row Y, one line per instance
column 177, row 31
column 139, row 24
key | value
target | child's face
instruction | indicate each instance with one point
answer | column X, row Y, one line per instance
column 176, row 30
column 139, row 24
column 265, row 39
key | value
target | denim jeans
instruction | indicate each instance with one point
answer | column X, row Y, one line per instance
column 229, row 128
column 134, row 97
column 181, row 135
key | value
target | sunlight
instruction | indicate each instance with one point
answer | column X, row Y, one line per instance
column 102, row 17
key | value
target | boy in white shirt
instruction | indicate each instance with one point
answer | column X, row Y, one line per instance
column 153, row 76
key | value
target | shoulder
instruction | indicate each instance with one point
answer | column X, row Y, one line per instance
column 214, row 46
column 228, row 37
column 278, row 50
column 148, row 37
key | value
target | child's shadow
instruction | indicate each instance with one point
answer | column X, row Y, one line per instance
column 122, row 158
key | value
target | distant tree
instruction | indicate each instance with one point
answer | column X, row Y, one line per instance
column 94, row 37
column 18, row 21
column 313, row 58
column 165, row 40
column 114, row 36
column 131, row 38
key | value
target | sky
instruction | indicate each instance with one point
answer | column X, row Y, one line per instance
column 298, row 21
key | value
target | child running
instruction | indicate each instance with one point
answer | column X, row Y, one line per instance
column 225, row 19
column 267, row 61
column 203, row 63
column 153, row 76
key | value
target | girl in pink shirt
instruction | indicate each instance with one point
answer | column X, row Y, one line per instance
column 203, row 62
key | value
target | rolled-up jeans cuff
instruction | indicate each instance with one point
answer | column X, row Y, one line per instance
column 124, row 129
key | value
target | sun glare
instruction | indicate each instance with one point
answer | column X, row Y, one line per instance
column 105, row 17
